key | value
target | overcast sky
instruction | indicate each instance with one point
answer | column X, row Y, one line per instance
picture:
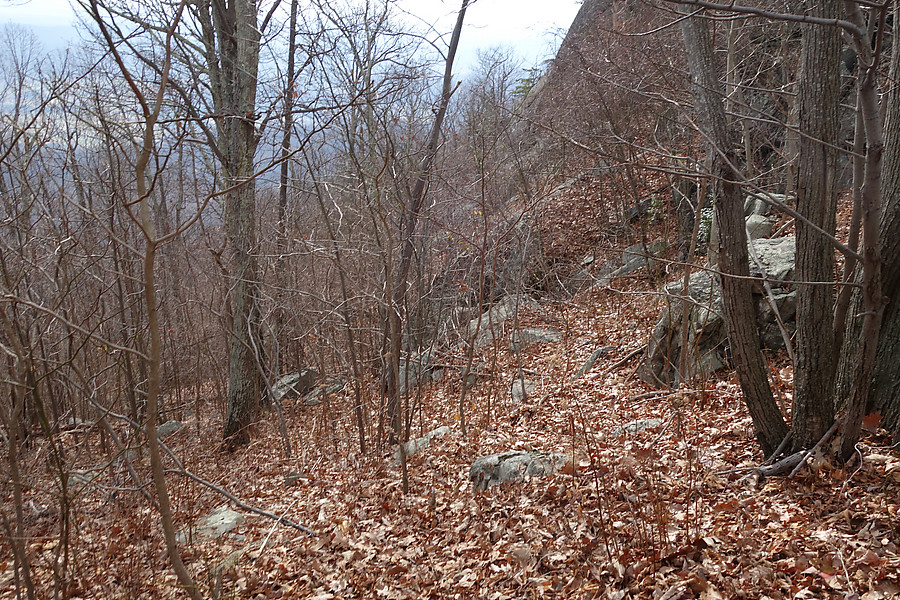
column 531, row 27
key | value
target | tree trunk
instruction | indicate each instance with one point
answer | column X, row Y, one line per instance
column 410, row 223
column 244, row 382
column 740, row 315
column 873, row 301
column 818, row 101
column 154, row 357
column 231, row 40
column 885, row 391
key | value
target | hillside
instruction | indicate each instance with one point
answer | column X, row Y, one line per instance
column 400, row 336
column 673, row 511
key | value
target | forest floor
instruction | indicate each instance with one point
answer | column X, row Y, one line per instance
column 670, row 513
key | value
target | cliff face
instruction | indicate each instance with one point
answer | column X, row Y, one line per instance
column 584, row 24
column 619, row 79
column 585, row 90
column 575, row 46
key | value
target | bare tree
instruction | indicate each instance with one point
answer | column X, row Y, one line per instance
column 151, row 110
column 818, row 101
column 231, row 35
column 732, row 253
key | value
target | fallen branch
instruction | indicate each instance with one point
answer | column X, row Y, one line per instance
column 818, row 445
column 623, row 360
column 279, row 519
column 183, row 471
column 796, row 461
column 782, row 466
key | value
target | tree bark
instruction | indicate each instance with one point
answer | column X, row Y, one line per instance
column 818, row 102
column 885, row 391
column 740, row 315
column 231, row 40
column 873, row 301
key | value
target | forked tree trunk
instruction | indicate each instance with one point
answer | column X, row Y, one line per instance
column 151, row 114
column 873, row 300
column 740, row 315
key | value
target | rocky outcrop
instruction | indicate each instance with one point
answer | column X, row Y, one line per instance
column 632, row 259
column 513, row 467
column 491, row 323
column 295, row 385
column 707, row 338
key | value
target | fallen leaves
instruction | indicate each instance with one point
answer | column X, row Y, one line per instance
column 658, row 514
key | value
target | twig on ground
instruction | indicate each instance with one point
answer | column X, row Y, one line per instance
column 818, row 445
column 622, row 361
column 241, row 504
column 665, row 427
column 787, row 439
column 183, row 471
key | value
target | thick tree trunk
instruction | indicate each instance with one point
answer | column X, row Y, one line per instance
column 818, row 101
column 244, row 382
column 740, row 316
column 885, row 393
column 231, row 38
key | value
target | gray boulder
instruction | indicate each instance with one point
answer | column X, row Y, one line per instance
column 707, row 338
column 168, row 428
column 295, row 385
column 636, row 427
column 759, row 227
column 632, row 259
column 589, row 363
column 317, row 395
column 83, row 476
column 755, row 205
column 777, row 256
column 521, row 389
column 214, row 525
column 418, row 445
column 534, row 335
column 492, row 320
column 770, row 335
column 513, row 467
column 706, row 334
